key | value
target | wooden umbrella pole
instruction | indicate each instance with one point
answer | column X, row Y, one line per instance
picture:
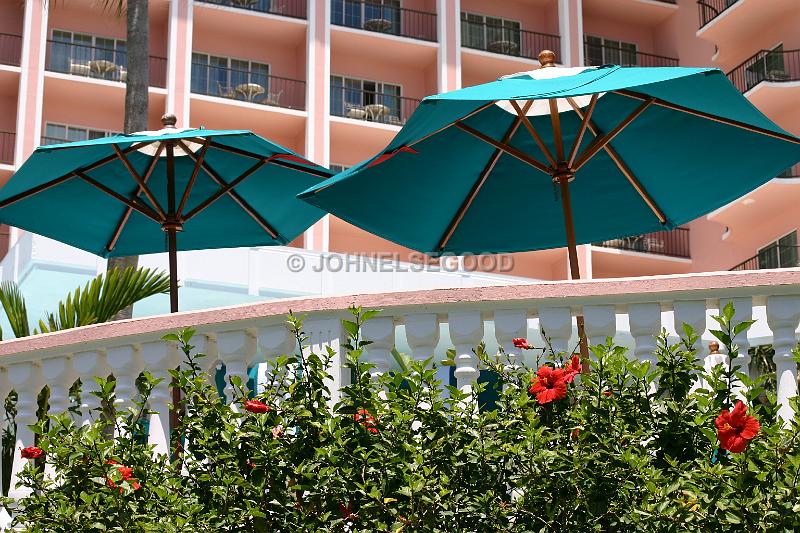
column 563, row 179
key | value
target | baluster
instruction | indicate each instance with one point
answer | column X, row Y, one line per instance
column 556, row 325
column 743, row 311
column 508, row 325
column 783, row 315
column 26, row 379
column 422, row 335
column 207, row 345
column 88, row 365
column 692, row 313
column 159, row 357
column 600, row 322
column 59, row 376
column 645, row 322
column 274, row 341
column 380, row 331
column 322, row 333
column 125, row 362
column 466, row 332
column 236, row 349
column 5, row 389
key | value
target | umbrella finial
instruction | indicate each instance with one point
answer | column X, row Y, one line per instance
column 547, row 58
column 713, row 347
column 169, row 120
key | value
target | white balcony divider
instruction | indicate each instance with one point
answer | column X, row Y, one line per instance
column 421, row 323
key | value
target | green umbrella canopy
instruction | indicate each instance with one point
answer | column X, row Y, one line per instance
column 243, row 194
column 467, row 174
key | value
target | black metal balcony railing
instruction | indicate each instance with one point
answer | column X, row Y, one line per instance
column 766, row 65
column 248, row 86
column 597, row 54
column 371, row 106
column 507, row 41
column 792, row 172
column 99, row 63
column 711, row 9
column 7, row 141
column 287, row 8
column 776, row 256
column 373, row 16
column 673, row 243
column 10, row 49
column 53, row 140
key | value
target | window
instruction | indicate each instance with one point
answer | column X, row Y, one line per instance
column 770, row 66
column 338, row 168
column 377, row 15
column 224, row 76
column 72, row 50
column 602, row 51
column 490, row 33
column 780, row 254
column 61, row 133
column 349, row 97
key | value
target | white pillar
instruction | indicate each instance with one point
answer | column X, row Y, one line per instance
column 126, row 364
column 783, row 315
column 645, row 322
column 379, row 330
column 600, row 322
column 508, row 325
column 422, row 336
column 237, row 349
column 466, row 332
column 59, row 376
column 744, row 311
column 89, row 365
column 274, row 341
column 323, row 333
column 159, row 358
column 26, row 379
column 555, row 324
column 692, row 313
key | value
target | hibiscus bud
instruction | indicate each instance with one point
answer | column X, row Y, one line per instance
column 521, row 343
column 31, row 452
column 255, row 406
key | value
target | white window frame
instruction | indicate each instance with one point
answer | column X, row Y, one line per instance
column 604, row 47
column 86, row 129
column 774, row 242
column 465, row 14
column 228, row 60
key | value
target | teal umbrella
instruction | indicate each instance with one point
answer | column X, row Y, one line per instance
column 167, row 190
column 559, row 157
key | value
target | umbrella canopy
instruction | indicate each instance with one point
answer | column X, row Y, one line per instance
column 493, row 168
column 160, row 191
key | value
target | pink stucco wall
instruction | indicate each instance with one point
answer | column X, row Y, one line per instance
column 12, row 16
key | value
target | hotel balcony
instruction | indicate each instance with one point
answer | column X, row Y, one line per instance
column 771, row 80
column 387, row 19
column 99, row 63
column 711, row 9
column 390, row 109
column 600, row 54
column 673, row 243
column 10, row 49
column 7, row 141
column 285, row 8
column 776, row 256
column 507, row 40
column 248, row 86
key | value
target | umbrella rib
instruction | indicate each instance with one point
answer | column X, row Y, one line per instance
column 198, row 162
column 600, row 142
column 476, row 187
column 72, row 174
column 510, row 150
column 138, row 179
column 555, row 119
column 532, row 130
column 143, row 209
column 626, row 171
column 708, row 116
column 124, row 219
column 227, row 188
column 584, row 124
column 245, row 153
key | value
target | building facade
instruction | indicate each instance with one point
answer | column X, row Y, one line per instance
column 336, row 79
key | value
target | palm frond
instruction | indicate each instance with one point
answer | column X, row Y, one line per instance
column 105, row 296
column 14, row 305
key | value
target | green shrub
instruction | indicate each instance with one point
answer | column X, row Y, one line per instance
column 625, row 447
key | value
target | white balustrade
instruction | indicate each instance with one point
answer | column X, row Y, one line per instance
column 631, row 311
column 743, row 308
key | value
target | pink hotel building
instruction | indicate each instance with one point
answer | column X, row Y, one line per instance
column 336, row 79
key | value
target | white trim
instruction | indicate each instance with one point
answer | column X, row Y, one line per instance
column 364, row 123
column 311, row 80
column 97, row 81
column 441, row 37
column 248, row 105
column 172, row 38
column 396, row 38
column 326, row 95
column 566, row 34
column 188, row 63
column 581, row 55
column 716, row 19
column 457, row 44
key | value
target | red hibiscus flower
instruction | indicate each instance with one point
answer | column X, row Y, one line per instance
column 572, row 369
column 735, row 429
column 127, row 475
column 366, row 419
column 521, row 343
column 255, row 406
column 31, row 452
column 549, row 384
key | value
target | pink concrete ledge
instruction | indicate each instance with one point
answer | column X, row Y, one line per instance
column 557, row 290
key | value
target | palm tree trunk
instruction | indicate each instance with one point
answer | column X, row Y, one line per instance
column 136, row 97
